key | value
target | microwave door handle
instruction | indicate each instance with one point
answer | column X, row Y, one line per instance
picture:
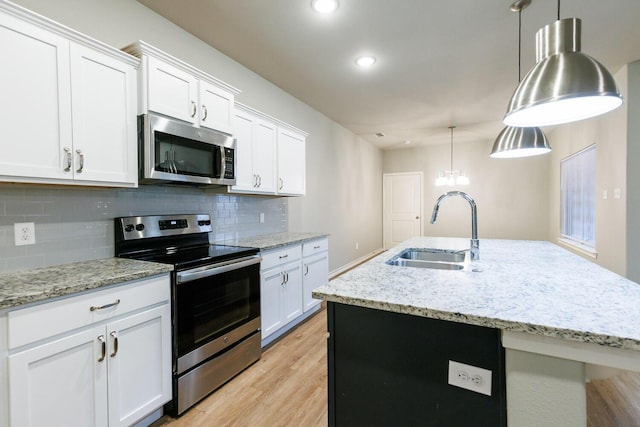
column 215, row 269
column 224, row 162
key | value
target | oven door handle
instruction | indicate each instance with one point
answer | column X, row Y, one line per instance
column 214, row 269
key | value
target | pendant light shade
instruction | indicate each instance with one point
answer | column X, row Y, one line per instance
column 565, row 85
column 520, row 142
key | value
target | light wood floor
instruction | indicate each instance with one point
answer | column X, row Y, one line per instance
column 286, row 387
column 614, row 402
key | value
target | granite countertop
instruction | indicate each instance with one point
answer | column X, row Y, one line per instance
column 30, row 286
column 271, row 241
column 524, row 286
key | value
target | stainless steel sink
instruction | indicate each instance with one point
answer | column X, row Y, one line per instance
column 441, row 259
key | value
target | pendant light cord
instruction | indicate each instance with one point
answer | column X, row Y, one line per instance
column 451, row 127
column 558, row 10
column 520, row 43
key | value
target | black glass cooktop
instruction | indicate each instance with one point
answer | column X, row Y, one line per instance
column 195, row 256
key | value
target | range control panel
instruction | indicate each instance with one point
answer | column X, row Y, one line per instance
column 144, row 227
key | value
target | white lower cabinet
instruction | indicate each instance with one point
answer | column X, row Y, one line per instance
column 315, row 266
column 280, row 288
column 110, row 366
column 287, row 277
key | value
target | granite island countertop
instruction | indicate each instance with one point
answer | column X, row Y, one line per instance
column 272, row 241
column 23, row 287
column 534, row 287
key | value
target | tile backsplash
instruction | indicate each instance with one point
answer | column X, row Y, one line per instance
column 76, row 224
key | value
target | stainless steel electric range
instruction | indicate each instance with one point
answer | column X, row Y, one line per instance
column 215, row 299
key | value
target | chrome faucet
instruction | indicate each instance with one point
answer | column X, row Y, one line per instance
column 475, row 243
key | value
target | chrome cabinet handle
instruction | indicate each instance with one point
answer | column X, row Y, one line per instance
column 104, row 348
column 102, row 307
column 67, row 154
column 259, row 181
column 282, row 282
column 255, row 181
column 316, row 247
column 204, row 109
column 81, row 159
column 286, row 277
column 281, row 184
column 306, row 269
column 194, row 109
column 114, row 335
column 283, row 256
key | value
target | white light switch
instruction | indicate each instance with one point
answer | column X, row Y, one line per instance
column 617, row 193
column 605, row 195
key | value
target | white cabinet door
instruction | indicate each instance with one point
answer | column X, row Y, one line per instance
column 139, row 365
column 255, row 154
column 216, row 107
column 171, row 91
column 292, row 291
column 315, row 274
column 271, row 301
column 104, row 117
column 291, row 163
column 264, row 156
column 35, row 101
column 61, row 383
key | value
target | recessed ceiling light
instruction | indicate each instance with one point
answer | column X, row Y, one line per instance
column 365, row 61
column 324, row 6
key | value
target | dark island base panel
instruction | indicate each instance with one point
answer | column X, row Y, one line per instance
column 390, row 369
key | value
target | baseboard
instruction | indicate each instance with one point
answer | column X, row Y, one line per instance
column 354, row 264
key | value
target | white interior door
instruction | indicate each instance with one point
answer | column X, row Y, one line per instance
column 402, row 213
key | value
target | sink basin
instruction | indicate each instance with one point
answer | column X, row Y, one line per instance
column 440, row 259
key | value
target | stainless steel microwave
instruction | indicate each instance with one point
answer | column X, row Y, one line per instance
column 171, row 151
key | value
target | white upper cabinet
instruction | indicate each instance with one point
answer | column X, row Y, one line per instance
column 255, row 154
column 291, row 163
column 171, row 91
column 176, row 89
column 68, row 105
column 270, row 155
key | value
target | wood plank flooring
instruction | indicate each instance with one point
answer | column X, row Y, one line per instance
column 614, row 402
column 286, row 387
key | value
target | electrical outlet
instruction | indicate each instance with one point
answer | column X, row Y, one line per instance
column 470, row 377
column 25, row 233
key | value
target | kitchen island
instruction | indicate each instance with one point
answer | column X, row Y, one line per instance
column 555, row 312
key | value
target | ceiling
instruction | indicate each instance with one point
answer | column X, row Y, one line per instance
column 439, row 63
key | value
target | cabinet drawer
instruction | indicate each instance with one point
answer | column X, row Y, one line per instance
column 280, row 256
column 31, row 324
column 315, row 246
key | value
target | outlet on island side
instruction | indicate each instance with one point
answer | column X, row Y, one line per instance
column 25, row 233
column 470, row 377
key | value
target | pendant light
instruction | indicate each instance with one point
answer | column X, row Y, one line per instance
column 520, row 141
column 565, row 85
column 451, row 177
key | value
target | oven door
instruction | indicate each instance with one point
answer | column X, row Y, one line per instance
column 215, row 307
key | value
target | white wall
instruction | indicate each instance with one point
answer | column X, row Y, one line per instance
column 343, row 172
column 609, row 133
column 510, row 194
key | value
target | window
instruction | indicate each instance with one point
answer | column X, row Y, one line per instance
column 578, row 194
